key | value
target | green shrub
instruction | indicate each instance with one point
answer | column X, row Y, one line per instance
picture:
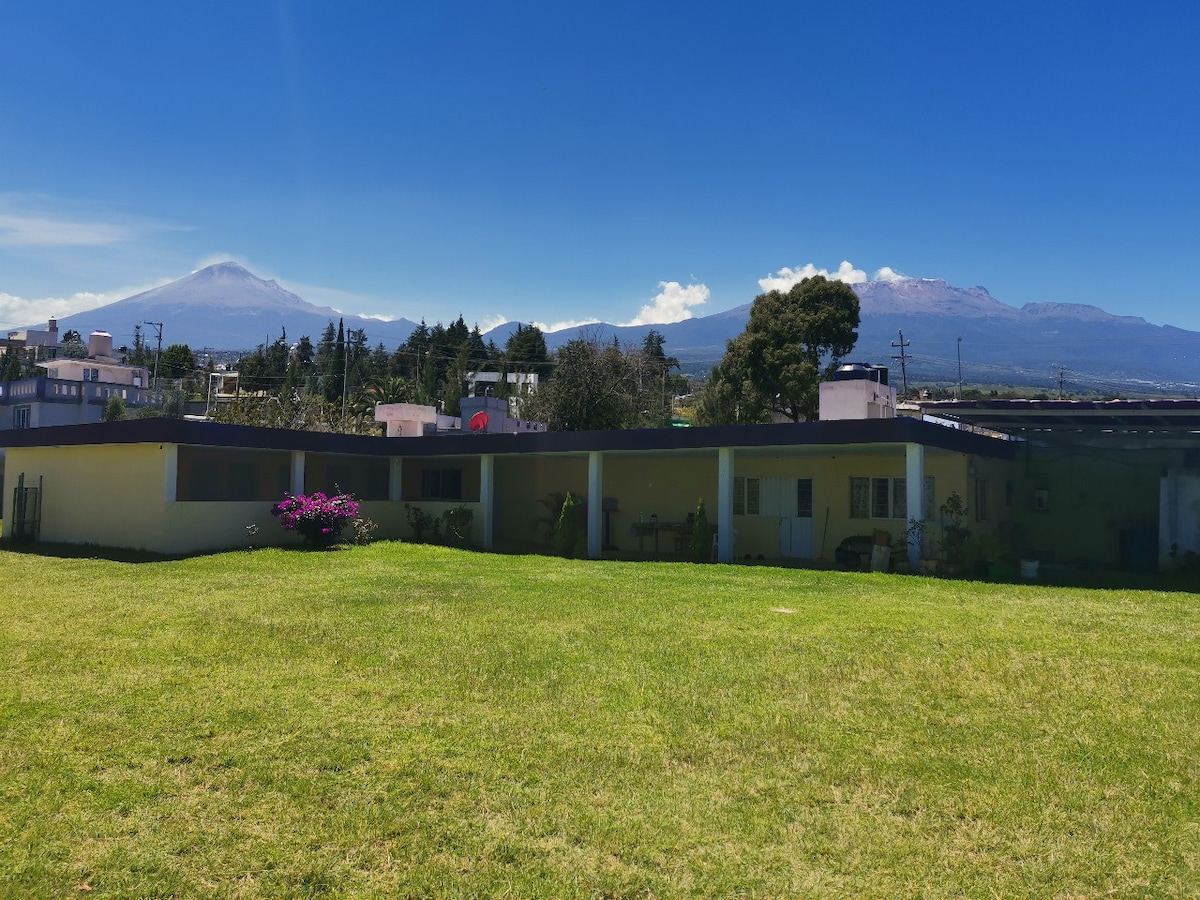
column 566, row 531
column 114, row 409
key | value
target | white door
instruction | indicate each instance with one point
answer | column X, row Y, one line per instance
column 795, row 520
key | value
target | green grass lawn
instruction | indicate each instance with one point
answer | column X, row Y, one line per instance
column 405, row 721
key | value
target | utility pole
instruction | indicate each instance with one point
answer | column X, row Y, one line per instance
column 1062, row 374
column 902, row 343
column 347, row 343
column 158, row 327
column 960, row 367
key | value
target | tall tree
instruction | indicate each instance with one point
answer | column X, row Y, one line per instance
column 177, row 361
column 594, row 387
column 792, row 341
column 525, row 351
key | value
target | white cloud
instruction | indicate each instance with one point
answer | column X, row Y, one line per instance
column 887, row 273
column 672, row 304
column 547, row 328
column 490, row 322
column 36, row 221
column 18, row 312
column 786, row 277
column 21, row 230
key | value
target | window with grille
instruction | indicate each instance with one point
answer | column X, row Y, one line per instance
column 885, row 498
column 441, row 484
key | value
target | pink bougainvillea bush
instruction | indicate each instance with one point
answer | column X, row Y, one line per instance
column 317, row 517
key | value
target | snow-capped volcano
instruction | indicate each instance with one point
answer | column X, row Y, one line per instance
column 226, row 306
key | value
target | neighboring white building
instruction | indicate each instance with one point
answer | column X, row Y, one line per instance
column 74, row 391
column 481, row 415
column 857, row 391
column 483, row 384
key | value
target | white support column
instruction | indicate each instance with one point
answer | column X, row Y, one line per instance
column 395, row 476
column 725, row 504
column 171, row 472
column 297, row 472
column 914, row 489
column 487, row 497
column 595, row 508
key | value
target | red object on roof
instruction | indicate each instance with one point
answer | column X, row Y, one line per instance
column 479, row 421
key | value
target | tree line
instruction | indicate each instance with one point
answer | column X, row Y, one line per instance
column 336, row 382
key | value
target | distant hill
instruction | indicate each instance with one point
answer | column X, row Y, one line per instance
column 1029, row 345
column 224, row 307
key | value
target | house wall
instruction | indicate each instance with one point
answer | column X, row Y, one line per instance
column 522, row 496
column 670, row 487
column 1103, row 505
column 109, row 495
column 123, row 496
column 831, row 511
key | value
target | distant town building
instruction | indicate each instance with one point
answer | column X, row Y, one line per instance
column 73, row 391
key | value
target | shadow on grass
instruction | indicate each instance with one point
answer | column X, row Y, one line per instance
column 1092, row 579
column 90, row 551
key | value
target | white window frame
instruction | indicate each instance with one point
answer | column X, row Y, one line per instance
column 747, row 495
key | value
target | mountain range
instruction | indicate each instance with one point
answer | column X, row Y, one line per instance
column 226, row 307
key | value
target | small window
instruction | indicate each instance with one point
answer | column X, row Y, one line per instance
column 804, row 498
column 981, row 500
column 22, row 416
column 441, row 484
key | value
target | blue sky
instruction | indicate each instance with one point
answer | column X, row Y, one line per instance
column 562, row 161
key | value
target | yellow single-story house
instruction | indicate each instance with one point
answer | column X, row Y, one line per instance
column 784, row 491
column 1084, row 484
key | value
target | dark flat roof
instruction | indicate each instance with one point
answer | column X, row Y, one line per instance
column 901, row 430
column 1094, row 417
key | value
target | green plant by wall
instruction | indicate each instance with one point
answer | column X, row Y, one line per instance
column 364, row 530
column 420, row 522
column 566, row 531
column 458, row 523
column 702, row 536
